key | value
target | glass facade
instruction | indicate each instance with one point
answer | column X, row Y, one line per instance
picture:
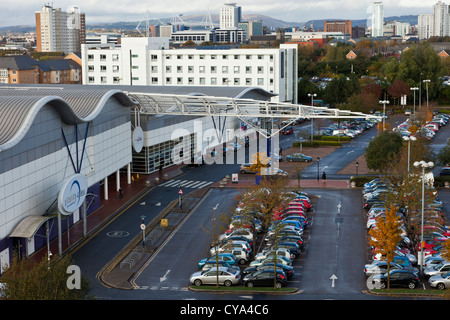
column 151, row 157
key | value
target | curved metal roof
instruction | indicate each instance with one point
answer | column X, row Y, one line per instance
column 19, row 107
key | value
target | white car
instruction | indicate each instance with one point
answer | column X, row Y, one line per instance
column 270, row 254
column 441, row 268
column 226, row 277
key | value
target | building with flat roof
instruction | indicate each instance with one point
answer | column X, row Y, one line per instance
column 344, row 26
column 150, row 62
column 377, row 19
column 58, row 30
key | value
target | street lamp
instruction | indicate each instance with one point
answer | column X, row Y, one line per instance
column 409, row 139
column 424, row 166
column 312, row 95
column 384, row 103
column 426, row 81
column 414, row 89
column 318, row 167
column 357, row 165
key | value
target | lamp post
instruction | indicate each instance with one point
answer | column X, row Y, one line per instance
column 384, row 102
column 426, row 81
column 318, row 167
column 409, row 139
column 357, row 165
column 414, row 89
column 424, row 165
column 312, row 95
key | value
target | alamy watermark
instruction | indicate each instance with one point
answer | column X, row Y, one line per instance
column 228, row 146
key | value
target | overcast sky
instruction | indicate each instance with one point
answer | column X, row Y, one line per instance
column 21, row 12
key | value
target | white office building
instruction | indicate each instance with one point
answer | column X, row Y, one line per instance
column 230, row 16
column 377, row 19
column 435, row 24
column 150, row 62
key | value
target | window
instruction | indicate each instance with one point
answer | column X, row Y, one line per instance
column 236, row 57
column 134, row 67
column 190, row 80
column 260, row 56
column 91, row 68
column 103, row 79
column 154, row 80
column 135, row 56
column 190, row 69
column 116, row 80
column 260, row 81
column 154, row 69
column 168, row 80
column 225, row 81
column 168, row 69
column 115, row 57
column 248, row 81
column 224, row 69
column 102, row 68
column 179, row 69
column 179, row 80
column 213, row 81
column 102, row 57
column 90, row 57
column 202, row 81
column 225, row 57
column 236, row 69
column 190, row 56
column 260, row 70
column 154, row 57
column 91, row 80
column 248, row 57
column 248, row 69
column 236, row 81
column 202, row 57
column 179, row 56
column 201, row 69
column 115, row 68
column 213, row 69
column 135, row 78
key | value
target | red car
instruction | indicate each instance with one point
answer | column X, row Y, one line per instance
column 288, row 130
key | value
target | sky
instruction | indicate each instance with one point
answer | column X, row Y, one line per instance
column 21, row 12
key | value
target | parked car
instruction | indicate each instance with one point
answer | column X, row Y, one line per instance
column 288, row 270
column 440, row 281
column 212, row 263
column 281, row 260
column 397, row 278
column 288, row 130
column 445, row 171
column 441, row 268
column 227, row 277
column 228, row 257
column 298, row 157
column 266, row 278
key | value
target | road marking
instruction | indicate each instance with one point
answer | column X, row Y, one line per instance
column 333, row 277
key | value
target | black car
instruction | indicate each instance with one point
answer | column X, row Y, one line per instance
column 397, row 278
column 265, row 278
column 288, row 270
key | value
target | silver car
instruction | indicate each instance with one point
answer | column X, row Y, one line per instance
column 227, row 277
column 440, row 281
column 439, row 269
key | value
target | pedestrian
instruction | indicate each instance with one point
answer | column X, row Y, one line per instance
column 324, row 177
column 160, row 172
column 120, row 193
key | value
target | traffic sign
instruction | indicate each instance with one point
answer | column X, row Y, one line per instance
column 180, row 191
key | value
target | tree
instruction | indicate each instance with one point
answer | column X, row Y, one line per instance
column 25, row 280
column 382, row 150
column 444, row 155
column 398, row 89
column 386, row 235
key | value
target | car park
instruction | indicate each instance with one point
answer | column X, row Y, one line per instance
column 223, row 276
column 440, row 281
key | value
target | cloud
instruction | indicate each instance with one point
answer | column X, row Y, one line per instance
column 22, row 11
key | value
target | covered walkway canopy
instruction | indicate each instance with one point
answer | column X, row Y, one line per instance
column 244, row 109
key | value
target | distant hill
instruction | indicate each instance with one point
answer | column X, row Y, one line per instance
column 270, row 23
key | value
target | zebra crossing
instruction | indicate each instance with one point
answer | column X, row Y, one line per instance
column 186, row 184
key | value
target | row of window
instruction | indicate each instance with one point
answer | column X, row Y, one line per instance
column 115, row 56
column 190, row 69
column 192, row 81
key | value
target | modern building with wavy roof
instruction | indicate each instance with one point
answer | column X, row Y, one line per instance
column 52, row 134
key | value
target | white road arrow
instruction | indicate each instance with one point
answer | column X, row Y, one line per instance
column 158, row 204
column 165, row 276
column 333, row 277
column 339, row 206
column 215, row 208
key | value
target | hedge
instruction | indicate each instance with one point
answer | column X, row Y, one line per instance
column 332, row 138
